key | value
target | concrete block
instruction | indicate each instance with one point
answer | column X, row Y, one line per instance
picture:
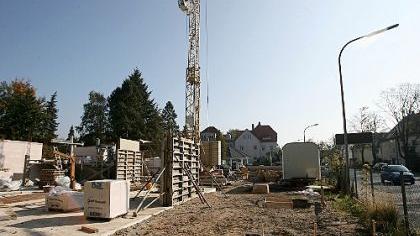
column 106, row 198
column 65, row 201
column 261, row 188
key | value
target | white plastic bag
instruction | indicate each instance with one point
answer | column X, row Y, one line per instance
column 58, row 190
column 6, row 184
column 77, row 186
column 29, row 183
column 63, row 181
column 15, row 185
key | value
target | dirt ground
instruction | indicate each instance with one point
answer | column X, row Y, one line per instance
column 239, row 214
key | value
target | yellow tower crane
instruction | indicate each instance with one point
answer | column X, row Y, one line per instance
column 192, row 91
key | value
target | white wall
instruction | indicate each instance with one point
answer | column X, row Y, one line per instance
column 12, row 156
column 249, row 144
column 267, row 147
column 356, row 152
column 388, row 150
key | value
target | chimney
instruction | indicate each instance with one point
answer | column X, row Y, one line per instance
column 253, row 127
column 259, row 123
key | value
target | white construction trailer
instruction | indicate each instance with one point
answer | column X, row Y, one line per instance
column 301, row 160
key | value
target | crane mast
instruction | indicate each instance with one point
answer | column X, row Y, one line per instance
column 192, row 90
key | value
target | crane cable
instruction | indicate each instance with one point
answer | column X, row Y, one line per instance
column 207, row 63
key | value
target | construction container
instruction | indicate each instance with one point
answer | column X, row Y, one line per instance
column 64, row 201
column 211, row 153
column 106, row 198
column 301, row 160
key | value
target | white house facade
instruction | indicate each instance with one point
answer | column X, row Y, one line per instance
column 249, row 144
column 257, row 143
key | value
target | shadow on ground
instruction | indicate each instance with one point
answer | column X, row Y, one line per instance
column 48, row 219
column 52, row 222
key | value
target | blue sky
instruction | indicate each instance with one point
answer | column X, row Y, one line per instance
column 271, row 61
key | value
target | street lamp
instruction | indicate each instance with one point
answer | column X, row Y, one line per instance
column 346, row 145
column 304, row 138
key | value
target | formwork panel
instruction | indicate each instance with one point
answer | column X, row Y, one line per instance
column 180, row 155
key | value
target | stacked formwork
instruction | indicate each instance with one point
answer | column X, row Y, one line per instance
column 129, row 165
column 211, row 153
column 181, row 162
column 129, row 161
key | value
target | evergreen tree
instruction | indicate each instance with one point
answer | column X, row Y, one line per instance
column 71, row 133
column 133, row 114
column 94, row 120
column 169, row 119
column 50, row 119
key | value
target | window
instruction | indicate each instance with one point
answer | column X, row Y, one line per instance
column 255, row 147
column 242, row 148
column 263, row 147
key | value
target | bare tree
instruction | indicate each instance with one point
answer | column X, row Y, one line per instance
column 366, row 121
column 401, row 103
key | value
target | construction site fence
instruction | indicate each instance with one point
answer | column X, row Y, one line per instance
column 368, row 188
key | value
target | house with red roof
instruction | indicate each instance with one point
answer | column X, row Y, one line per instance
column 259, row 142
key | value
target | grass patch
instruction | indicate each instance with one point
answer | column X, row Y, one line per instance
column 384, row 212
column 348, row 204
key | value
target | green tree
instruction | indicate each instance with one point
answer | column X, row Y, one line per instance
column 332, row 159
column 234, row 133
column 71, row 133
column 133, row 114
column 169, row 118
column 50, row 123
column 21, row 112
column 94, row 122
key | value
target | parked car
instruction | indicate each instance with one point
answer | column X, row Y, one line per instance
column 391, row 173
column 378, row 166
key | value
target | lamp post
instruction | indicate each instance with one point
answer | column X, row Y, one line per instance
column 307, row 127
column 346, row 145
